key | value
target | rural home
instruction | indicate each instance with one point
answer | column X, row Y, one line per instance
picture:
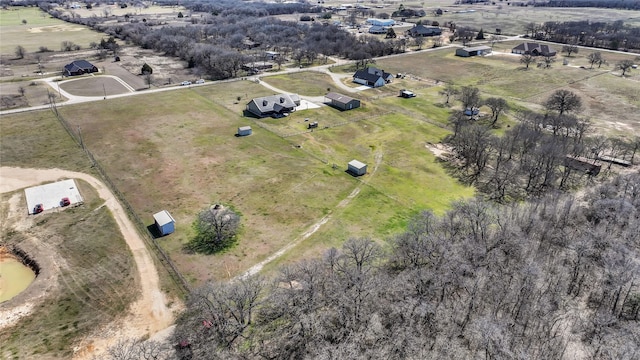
column 79, row 67
column 356, row 168
column 257, row 66
column 534, row 49
column 273, row 105
column 244, row 131
column 271, row 55
column 381, row 22
column 377, row 30
column 342, row 102
column 372, row 76
column 421, row 30
column 473, row 51
column 164, row 222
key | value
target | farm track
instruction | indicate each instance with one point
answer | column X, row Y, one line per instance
column 149, row 314
column 254, row 270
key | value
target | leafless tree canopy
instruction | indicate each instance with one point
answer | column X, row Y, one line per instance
column 536, row 280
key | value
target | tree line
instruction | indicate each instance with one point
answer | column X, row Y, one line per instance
column 542, row 152
column 217, row 46
column 609, row 4
column 610, row 35
column 542, row 279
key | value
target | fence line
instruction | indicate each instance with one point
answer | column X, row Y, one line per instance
column 148, row 237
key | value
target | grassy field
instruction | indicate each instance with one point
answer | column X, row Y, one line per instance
column 308, row 83
column 40, row 30
column 512, row 19
column 179, row 152
column 96, row 275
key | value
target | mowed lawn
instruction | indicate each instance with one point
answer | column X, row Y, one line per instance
column 40, row 30
column 177, row 151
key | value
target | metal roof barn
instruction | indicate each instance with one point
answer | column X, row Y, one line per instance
column 50, row 195
column 357, row 168
column 164, row 222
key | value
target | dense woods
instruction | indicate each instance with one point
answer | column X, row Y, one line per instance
column 543, row 152
column 610, row 35
column 540, row 280
column 217, row 42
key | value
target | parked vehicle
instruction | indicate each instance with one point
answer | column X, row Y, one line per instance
column 185, row 83
column 65, row 202
column 200, row 81
column 38, row 209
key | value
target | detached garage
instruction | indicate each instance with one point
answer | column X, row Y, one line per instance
column 342, row 102
column 164, row 222
column 356, row 168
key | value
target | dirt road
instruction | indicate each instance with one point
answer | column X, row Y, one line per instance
column 150, row 313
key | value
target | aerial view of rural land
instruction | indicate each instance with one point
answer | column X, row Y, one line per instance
column 320, row 179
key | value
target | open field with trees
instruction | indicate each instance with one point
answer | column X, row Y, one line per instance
column 186, row 153
column 40, row 29
column 403, row 262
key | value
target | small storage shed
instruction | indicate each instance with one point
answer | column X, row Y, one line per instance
column 244, row 131
column 164, row 222
column 473, row 51
column 407, row 94
column 357, row 168
column 342, row 102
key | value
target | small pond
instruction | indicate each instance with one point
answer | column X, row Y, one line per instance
column 15, row 277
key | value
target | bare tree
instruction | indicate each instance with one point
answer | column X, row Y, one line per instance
column 448, row 91
column 624, row 66
column 594, row 58
column 563, row 101
column 469, row 96
column 20, row 52
column 547, row 61
column 527, row 59
column 216, row 228
column 497, row 106
column 570, row 49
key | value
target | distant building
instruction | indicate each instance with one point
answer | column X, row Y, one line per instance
column 473, row 51
column 372, row 76
column 381, row 22
column 421, row 31
column 79, row 67
column 356, row 168
column 342, row 102
column 534, row 49
column 244, row 131
column 274, row 105
column 407, row 94
column 377, row 30
column 165, row 222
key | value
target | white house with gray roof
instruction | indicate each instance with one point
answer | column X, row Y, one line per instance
column 273, row 105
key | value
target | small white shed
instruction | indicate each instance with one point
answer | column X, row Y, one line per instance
column 244, row 131
column 164, row 222
column 357, row 168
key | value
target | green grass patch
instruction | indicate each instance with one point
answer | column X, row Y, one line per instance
column 308, row 83
column 40, row 30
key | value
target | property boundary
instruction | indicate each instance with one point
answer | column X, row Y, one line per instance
column 149, row 239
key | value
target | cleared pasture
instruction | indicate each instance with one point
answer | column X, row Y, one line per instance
column 308, row 83
column 513, row 19
column 40, row 30
column 503, row 75
column 178, row 152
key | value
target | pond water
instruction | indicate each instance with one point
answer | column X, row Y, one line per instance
column 15, row 277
